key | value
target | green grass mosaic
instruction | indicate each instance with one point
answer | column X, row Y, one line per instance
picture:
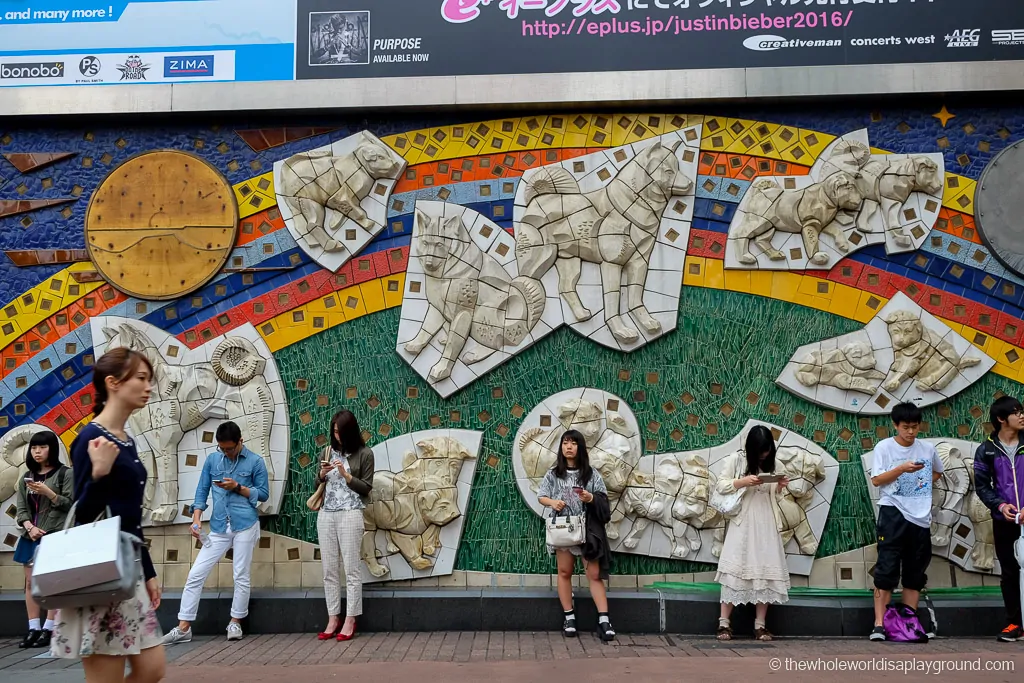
column 693, row 388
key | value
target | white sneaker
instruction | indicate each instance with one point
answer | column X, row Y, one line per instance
column 234, row 631
column 176, row 635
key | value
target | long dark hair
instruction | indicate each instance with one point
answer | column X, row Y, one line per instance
column 120, row 363
column 43, row 438
column 348, row 429
column 760, row 441
column 582, row 458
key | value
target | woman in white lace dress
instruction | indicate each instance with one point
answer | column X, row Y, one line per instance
column 752, row 567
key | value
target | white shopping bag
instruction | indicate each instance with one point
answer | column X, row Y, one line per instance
column 77, row 557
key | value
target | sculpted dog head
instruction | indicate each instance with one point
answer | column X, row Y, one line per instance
column 377, row 159
column 661, row 164
column 927, row 176
column 438, row 507
column 803, row 468
column 436, row 238
column 860, row 355
column 583, row 416
column 842, row 190
column 905, row 329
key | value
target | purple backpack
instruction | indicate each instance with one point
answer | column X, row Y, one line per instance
column 902, row 625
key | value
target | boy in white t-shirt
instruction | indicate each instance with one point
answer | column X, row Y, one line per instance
column 904, row 469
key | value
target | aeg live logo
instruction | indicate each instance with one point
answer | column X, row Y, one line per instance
column 964, row 37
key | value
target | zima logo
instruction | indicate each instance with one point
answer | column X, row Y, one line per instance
column 1013, row 36
column 133, row 69
column 192, row 66
column 964, row 37
column 89, row 66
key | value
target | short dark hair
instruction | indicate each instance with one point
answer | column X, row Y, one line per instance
column 229, row 432
column 906, row 412
column 351, row 439
column 1001, row 410
column 43, row 438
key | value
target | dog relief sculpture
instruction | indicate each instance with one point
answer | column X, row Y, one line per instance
column 333, row 199
column 238, row 382
column 660, row 501
column 851, row 196
column 599, row 244
column 902, row 354
column 414, row 519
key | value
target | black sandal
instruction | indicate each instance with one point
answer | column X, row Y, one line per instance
column 569, row 627
column 762, row 634
column 724, row 633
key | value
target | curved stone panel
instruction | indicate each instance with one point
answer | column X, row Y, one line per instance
column 903, row 354
column 660, row 501
column 852, row 198
column 230, row 377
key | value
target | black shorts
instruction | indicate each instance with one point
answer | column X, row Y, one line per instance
column 901, row 543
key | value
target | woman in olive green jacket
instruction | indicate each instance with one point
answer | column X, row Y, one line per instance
column 44, row 499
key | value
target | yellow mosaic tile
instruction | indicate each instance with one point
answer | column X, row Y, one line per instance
column 16, row 317
column 693, row 271
column 373, row 295
column 716, row 137
column 69, row 435
column 714, row 273
column 251, row 198
column 959, row 193
column 815, row 142
column 868, row 306
column 785, row 285
column 393, row 286
column 737, row 281
column 761, row 282
column 845, row 300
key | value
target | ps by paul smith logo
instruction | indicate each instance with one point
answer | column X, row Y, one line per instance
column 194, row 66
column 769, row 43
column 32, row 70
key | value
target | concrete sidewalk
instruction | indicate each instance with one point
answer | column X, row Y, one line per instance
column 519, row 657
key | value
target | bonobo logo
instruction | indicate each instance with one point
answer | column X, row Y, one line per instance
column 768, row 43
column 34, row 70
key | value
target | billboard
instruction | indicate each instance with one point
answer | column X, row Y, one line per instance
column 128, row 42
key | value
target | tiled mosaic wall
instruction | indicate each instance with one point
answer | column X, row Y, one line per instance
column 333, row 334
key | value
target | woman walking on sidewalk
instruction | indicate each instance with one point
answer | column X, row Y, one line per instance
column 752, row 567
column 571, row 488
column 109, row 475
column 346, row 477
column 43, row 501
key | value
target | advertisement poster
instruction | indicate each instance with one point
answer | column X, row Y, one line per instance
column 77, row 42
column 126, row 42
column 380, row 38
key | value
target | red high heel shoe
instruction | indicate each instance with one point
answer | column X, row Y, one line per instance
column 327, row 636
column 342, row 637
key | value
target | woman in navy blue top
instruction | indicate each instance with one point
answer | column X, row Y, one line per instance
column 108, row 473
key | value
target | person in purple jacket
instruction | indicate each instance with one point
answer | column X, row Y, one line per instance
column 999, row 484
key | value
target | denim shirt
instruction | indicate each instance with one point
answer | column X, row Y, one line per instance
column 231, row 508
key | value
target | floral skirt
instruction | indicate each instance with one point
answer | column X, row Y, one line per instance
column 122, row 629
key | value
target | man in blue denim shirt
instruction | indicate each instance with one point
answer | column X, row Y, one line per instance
column 240, row 483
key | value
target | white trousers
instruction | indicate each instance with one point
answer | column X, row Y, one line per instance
column 340, row 535
column 242, row 543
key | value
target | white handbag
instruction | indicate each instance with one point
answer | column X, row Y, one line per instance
column 567, row 531
column 86, row 565
column 727, row 503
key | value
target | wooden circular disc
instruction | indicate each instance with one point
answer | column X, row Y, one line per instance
column 161, row 224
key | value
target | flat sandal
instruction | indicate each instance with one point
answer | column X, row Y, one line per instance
column 724, row 633
column 762, row 634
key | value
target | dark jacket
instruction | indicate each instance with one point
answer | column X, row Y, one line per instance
column 998, row 478
column 361, row 466
column 595, row 547
column 122, row 490
column 52, row 514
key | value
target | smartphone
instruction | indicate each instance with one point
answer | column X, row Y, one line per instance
column 769, row 478
column 217, row 481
